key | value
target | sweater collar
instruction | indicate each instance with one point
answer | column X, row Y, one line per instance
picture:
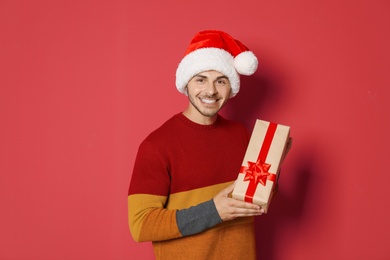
column 197, row 126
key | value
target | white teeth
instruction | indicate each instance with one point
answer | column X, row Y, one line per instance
column 208, row 101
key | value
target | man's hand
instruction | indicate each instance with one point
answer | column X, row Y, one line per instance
column 229, row 208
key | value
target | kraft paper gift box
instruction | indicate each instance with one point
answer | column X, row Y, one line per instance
column 260, row 168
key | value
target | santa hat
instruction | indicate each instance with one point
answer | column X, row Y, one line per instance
column 216, row 50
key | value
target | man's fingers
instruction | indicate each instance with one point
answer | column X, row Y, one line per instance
column 229, row 208
column 245, row 205
column 243, row 209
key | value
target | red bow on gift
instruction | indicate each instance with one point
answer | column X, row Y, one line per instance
column 257, row 172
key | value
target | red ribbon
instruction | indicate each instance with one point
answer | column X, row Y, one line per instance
column 257, row 172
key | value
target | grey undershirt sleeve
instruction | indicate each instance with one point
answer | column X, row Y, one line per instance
column 197, row 218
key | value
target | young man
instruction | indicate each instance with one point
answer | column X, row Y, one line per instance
column 179, row 196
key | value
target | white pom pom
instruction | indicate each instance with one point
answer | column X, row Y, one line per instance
column 246, row 63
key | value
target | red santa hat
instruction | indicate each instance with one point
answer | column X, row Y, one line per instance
column 216, row 50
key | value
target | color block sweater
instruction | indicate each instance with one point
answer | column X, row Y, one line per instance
column 179, row 168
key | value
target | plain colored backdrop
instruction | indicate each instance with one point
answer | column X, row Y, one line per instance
column 83, row 82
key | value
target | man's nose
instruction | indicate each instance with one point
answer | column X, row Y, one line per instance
column 211, row 89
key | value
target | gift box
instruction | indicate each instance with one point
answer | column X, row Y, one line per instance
column 259, row 172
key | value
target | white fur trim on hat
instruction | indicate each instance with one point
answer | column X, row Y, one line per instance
column 206, row 59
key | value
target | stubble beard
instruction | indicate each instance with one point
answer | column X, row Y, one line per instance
column 205, row 112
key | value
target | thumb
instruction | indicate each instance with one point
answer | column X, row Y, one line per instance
column 229, row 189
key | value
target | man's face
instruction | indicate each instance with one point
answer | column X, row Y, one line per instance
column 208, row 92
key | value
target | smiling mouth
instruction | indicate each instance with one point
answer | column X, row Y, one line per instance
column 208, row 101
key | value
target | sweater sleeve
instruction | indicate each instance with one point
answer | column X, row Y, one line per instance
column 197, row 218
column 149, row 220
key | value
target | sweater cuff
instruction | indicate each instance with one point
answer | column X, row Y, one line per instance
column 197, row 218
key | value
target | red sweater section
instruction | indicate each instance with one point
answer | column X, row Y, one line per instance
column 182, row 155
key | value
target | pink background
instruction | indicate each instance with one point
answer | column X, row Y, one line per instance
column 83, row 82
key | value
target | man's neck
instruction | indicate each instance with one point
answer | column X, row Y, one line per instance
column 198, row 118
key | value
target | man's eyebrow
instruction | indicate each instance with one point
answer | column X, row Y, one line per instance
column 222, row 77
